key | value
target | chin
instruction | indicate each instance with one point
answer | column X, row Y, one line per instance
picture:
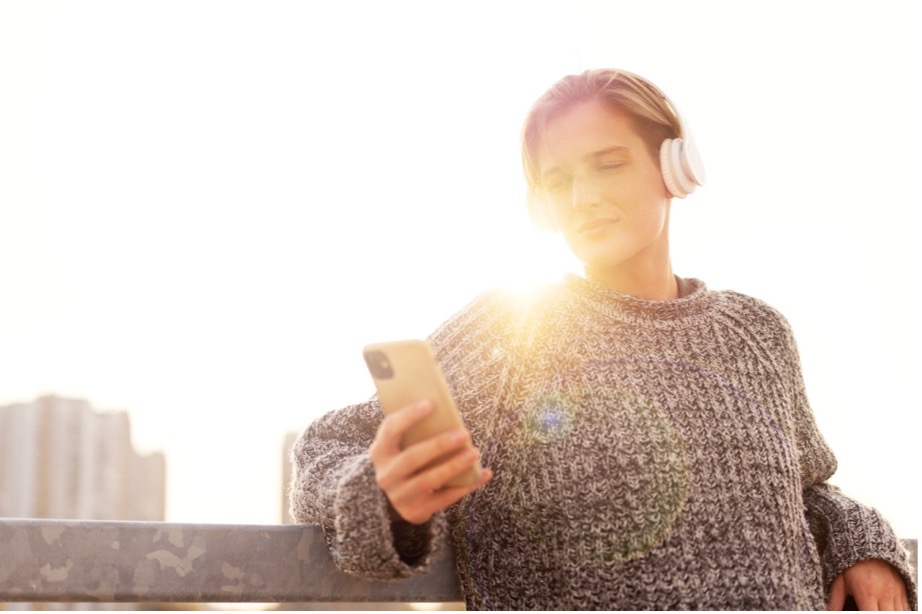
column 599, row 257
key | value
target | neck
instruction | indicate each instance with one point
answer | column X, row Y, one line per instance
column 646, row 274
column 661, row 286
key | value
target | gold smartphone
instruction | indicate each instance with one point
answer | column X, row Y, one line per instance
column 405, row 372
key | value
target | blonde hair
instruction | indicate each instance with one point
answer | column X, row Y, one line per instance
column 654, row 117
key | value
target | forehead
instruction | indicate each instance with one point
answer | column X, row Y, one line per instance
column 582, row 130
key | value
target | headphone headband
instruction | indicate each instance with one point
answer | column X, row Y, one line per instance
column 680, row 162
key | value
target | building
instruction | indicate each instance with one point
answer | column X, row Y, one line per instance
column 59, row 458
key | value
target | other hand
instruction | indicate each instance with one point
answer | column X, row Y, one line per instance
column 873, row 584
column 416, row 493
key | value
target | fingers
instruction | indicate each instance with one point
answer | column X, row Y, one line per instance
column 393, row 427
column 452, row 449
column 408, row 476
column 874, row 584
column 418, row 507
column 837, row 594
column 415, row 472
column 889, row 598
column 444, row 497
column 414, row 479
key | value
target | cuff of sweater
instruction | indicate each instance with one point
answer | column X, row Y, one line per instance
column 863, row 534
column 367, row 542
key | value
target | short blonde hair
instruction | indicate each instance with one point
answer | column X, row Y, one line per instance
column 655, row 120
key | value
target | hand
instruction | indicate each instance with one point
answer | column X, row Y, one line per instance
column 414, row 493
column 873, row 584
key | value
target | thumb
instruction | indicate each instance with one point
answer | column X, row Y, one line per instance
column 837, row 593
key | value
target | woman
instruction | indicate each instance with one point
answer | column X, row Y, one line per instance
column 648, row 442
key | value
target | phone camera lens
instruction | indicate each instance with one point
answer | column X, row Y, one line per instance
column 379, row 365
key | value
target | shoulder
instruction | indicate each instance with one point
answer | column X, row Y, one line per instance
column 755, row 315
column 522, row 300
column 504, row 305
column 748, row 306
column 497, row 315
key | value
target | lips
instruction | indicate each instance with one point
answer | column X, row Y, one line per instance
column 595, row 224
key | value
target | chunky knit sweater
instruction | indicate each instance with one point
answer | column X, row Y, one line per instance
column 646, row 454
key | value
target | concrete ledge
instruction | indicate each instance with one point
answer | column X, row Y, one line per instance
column 62, row 560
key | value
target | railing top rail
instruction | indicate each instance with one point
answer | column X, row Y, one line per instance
column 79, row 560
column 125, row 561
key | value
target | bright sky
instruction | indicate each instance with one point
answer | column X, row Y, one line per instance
column 208, row 208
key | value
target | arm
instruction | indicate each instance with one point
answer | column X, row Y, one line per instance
column 860, row 554
column 335, row 486
column 345, row 461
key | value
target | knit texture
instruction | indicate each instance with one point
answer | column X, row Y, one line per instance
column 647, row 455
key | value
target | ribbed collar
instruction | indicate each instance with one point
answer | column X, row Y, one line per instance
column 613, row 303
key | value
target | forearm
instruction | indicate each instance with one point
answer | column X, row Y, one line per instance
column 334, row 486
column 848, row 532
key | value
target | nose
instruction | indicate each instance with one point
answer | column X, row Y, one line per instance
column 585, row 194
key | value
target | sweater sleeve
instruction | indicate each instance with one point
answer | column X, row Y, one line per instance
column 334, row 486
column 334, row 479
column 846, row 531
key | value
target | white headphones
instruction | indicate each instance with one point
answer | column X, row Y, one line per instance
column 680, row 162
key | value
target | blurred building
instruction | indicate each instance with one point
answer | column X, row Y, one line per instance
column 59, row 458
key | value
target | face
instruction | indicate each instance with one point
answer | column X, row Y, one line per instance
column 605, row 192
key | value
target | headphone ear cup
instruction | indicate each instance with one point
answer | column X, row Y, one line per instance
column 680, row 168
column 692, row 166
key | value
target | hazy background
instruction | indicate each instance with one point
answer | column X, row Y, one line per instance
column 208, row 208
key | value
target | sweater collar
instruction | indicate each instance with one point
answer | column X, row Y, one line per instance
column 692, row 301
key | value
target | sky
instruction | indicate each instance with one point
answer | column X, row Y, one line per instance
column 208, row 208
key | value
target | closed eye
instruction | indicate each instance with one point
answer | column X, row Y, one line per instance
column 557, row 184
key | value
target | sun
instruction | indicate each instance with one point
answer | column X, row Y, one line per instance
column 536, row 257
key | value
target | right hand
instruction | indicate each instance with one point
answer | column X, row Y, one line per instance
column 416, row 494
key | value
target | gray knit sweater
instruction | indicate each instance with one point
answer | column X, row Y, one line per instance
column 647, row 454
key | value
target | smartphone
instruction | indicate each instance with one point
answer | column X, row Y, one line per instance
column 405, row 372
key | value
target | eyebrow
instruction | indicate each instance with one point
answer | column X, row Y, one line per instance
column 595, row 155
column 604, row 152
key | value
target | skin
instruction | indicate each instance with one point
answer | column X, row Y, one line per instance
column 873, row 584
column 416, row 495
column 606, row 195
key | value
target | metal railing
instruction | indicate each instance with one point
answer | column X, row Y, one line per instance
column 101, row 561
column 85, row 561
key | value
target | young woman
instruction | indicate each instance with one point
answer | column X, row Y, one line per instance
column 647, row 441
